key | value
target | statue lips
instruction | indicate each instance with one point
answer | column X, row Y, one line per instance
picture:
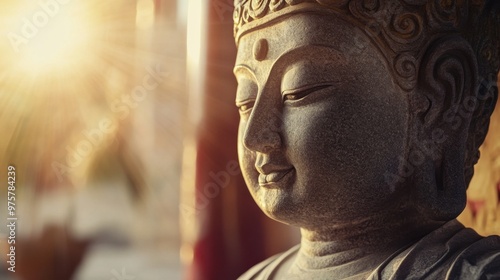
column 275, row 179
column 272, row 171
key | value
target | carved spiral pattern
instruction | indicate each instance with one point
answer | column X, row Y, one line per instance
column 276, row 5
column 406, row 28
column 370, row 5
column 258, row 8
column 238, row 11
column 488, row 50
column 246, row 16
column 452, row 12
column 364, row 8
column 405, row 65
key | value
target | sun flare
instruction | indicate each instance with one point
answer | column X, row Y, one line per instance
column 52, row 39
column 55, row 61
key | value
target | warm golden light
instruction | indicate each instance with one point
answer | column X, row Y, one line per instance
column 54, row 64
column 145, row 14
column 52, row 38
column 91, row 100
column 57, row 46
column 195, row 55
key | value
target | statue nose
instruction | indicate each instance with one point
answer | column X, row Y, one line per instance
column 263, row 141
column 262, row 132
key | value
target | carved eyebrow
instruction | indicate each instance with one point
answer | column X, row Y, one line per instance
column 243, row 68
column 246, row 90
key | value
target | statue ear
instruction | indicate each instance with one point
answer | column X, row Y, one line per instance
column 448, row 78
column 443, row 104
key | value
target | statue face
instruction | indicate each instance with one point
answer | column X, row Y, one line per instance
column 321, row 121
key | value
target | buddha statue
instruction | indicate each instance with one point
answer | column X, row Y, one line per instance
column 360, row 123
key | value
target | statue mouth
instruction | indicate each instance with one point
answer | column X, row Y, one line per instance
column 275, row 179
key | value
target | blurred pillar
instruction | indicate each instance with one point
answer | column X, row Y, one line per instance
column 222, row 227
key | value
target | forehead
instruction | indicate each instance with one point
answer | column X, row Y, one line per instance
column 260, row 49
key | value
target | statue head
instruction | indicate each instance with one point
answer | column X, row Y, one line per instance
column 353, row 107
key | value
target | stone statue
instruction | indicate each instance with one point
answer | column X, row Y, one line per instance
column 360, row 123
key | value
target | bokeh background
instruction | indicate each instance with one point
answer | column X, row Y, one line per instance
column 119, row 119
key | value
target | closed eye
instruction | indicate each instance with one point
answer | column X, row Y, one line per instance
column 245, row 106
column 297, row 94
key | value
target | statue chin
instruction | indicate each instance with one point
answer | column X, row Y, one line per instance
column 349, row 129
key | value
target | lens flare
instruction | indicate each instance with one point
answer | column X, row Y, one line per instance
column 58, row 46
column 51, row 38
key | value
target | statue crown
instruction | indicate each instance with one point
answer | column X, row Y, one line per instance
column 402, row 28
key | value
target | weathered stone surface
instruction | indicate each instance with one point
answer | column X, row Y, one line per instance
column 360, row 123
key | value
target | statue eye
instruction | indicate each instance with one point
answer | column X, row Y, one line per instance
column 246, row 106
column 297, row 94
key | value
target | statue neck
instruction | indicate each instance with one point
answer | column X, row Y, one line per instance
column 359, row 247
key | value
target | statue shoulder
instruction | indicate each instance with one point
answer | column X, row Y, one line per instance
column 480, row 260
column 265, row 269
column 450, row 252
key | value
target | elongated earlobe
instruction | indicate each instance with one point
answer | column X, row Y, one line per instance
column 447, row 84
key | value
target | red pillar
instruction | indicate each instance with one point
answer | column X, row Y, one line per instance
column 231, row 236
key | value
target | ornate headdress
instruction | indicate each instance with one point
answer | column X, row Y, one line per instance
column 401, row 28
